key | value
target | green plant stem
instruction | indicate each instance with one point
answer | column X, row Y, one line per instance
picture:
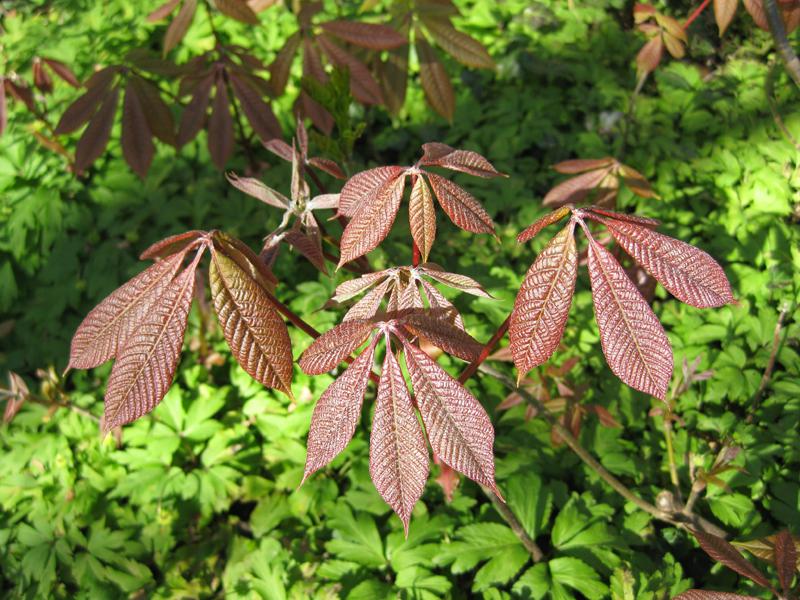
column 676, row 518
column 673, row 468
column 776, row 27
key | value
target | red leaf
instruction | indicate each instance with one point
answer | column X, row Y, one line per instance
column 462, row 208
column 220, row 126
column 327, row 165
column 146, row 364
column 708, row 595
column 237, row 9
column 453, row 280
column 463, row 48
column 337, row 412
column 41, row 79
column 580, row 165
column 575, row 189
column 84, row 107
column 366, row 35
column 108, row 326
column 362, row 84
column 334, row 346
column 634, row 343
column 248, row 260
column 459, row 430
column 371, row 224
column 398, row 456
column 542, row 305
column 785, row 559
column 393, row 77
column 162, row 11
column 307, row 246
column 437, row 300
column 280, row 68
column 434, row 79
column 597, row 210
column 362, row 188
column 255, row 333
column 439, row 330
column 466, row 161
column 95, row 138
column 353, row 287
column 422, row 217
column 157, row 113
column 369, row 305
column 533, row 230
column 258, row 112
column 253, row 187
column 179, row 25
column 137, row 147
column 171, row 245
column 63, row 71
column 690, row 274
column 194, row 115
column 650, row 55
column 725, row 553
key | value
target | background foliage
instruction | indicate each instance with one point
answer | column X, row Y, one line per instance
column 202, row 500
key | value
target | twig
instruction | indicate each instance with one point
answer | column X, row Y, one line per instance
column 695, row 14
column 787, row 53
column 472, row 367
column 673, row 468
column 509, row 517
column 767, row 376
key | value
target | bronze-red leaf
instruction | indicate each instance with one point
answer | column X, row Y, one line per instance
column 158, row 115
column 633, row 340
column 220, row 126
column 466, row 161
column 337, row 412
column 437, row 327
column 434, row 79
column 137, row 147
column 422, row 217
column 334, row 346
column 723, row 551
column 258, row 112
column 367, row 35
column 280, row 68
column 362, row 84
column 576, row 188
column 462, row 208
column 398, row 456
column 179, row 25
column 63, row 71
column 95, row 138
column 542, row 305
column 552, row 217
column 86, row 105
column 785, row 559
column 194, row 115
column 362, row 188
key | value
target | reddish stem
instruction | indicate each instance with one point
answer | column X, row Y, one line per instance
column 472, row 367
column 696, row 13
column 416, row 255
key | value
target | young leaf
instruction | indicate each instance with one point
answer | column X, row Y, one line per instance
column 532, row 230
column 462, row 208
column 179, row 25
column 353, row 287
column 724, row 552
column 280, row 68
column 157, row 113
column 650, row 55
column 366, row 35
column 371, row 224
column 337, row 411
column 542, row 305
column 362, row 84
column 258, row 112
column 437, row 300
column 633, row 340
column 256, row 334
column 171, row 245
column 146, row 363
column 453, row 280
column 237, row 9
column 95, row 138
column 63, row 71
column 86, row 105
column 369, row 305
column 689, row 274
column 644, row 221
column 398, row 456
column 253, row 187
column 580, row 165
column 463, row 48
column 334, row 346
column 436, row 326
column 361, row 189
column 709, row 595
column 162, row 11
column 137, row 147
column 220, row 126
column 307, row 245
column 466, row 161
column 435, row 81
column 108, row 326
column 575, row 189
column 422, row 217
column 459, row 430
column 194, row 115
column 785, row 559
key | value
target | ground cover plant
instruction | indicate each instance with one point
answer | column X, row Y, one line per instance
column 639, row 448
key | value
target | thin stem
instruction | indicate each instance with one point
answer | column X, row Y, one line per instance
column 673, row 468
column 767, row 376
column 416, row 255
column 787, row 53
column 509, row 517
column 696, row 13
column 472, row 367
column 293, row 318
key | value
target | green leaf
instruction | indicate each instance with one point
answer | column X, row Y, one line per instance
column 531, row 501
column 576, row 574
column 355, row 539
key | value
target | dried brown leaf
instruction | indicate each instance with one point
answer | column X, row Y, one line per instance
column 542, row 305
column 334, row 346
column 689, row 274
column 337, row 412
column 462, row 208
column 459, row 430
column 398, row 455
column 633, row 340
column 146, row 362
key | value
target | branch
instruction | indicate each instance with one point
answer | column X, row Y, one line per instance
column 509, row 517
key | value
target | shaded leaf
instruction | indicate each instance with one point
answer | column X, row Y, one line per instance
column 237, row 9
column 463, row 48
column 398, row 456
column 330, row 167
column 362, row 188
column 362, row 84
column 258, row 112
column 220, row 126
column 580, row 165
column 137, row 147
column 179, row 25
column 80, row 111
column 366, row 35
column 542, row 305
column 459, row 430
column 371, row 224
column 255, row 333
column 434, row 79
column 146, row 363
column 194, row 115
column 337, row 412
column 633, row 340
column 689, row 274
column 162, row 11
column 462, row 208
column 422, row 217
column 157, row 113
column 63, row 71
column 308, row 246
column 785, row 559
column 334, row 346
column 393, row 78
column 280, row 68
column 724, row 552
column 95, row 138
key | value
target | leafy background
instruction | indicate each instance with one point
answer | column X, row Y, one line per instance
column 201, row 499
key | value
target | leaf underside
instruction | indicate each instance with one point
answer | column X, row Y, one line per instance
column 332, row 347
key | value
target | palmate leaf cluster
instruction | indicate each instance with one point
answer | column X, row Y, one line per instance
column 202, row 497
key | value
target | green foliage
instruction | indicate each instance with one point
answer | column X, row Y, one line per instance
column 202, row 498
